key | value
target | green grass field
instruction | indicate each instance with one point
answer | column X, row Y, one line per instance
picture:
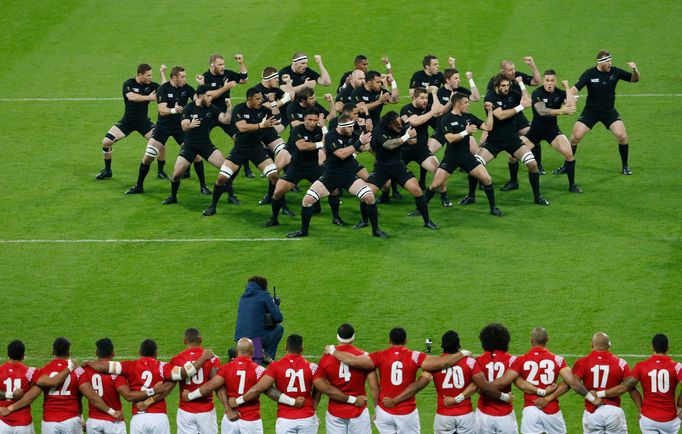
column 608, row 259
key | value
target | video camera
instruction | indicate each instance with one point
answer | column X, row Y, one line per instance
column 269, row 322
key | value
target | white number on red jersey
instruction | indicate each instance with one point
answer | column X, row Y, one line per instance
column 660, row 380
column 147, row 377
column 96, row 381
column 454, row 378
column 242, row 381
column 197, row 378
column 64, row 391
column 597, row 382
column 8, row 385
column 397, row 373
column 547, row 377
column 495, row 370
column 344, row 372
column 293, row 376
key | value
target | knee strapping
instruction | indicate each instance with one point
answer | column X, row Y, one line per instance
column 363, row 192
column 110, row 136
column 527, row 158
column 480, row 159
column 226, row 171
column 270, row 168
column 278, row 148
column 312, row 193
column 151, row 151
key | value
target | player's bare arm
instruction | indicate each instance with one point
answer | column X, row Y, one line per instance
column 323, row 79
column 411, row 133
column 635, row 72
column 466, row 393
column 25, row 400
column 47, row 381
column 359, row 362
column 436, row 363
column 535, row 72
column 490, row 390
column 411, row 390
column 92, row 396
column 242, row 67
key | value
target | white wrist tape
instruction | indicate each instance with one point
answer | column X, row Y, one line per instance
column 173, row 111
column 240, row 400
column 504, row 397
column 459, row 398
column 351, row 399
column 189, row 367
column 405, row 137
column 541, row 392
column 590, row 397
column 149, row 392
column 9, row 395
column 286, row 400
column 519, row 108
column 394, row 84
column 522, row 86
column 388, row 65
column 601, row 394
column 111, row 412
column 471, row 82
column 115, row 368
column 466, row 353
column 71, row 365
column 319, row 145
column 324, row 130
column 194, row 395
column 286, row 98
column 463, row 134
column 332, row 349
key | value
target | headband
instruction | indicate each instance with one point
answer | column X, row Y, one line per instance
column 350, row 339
column 346, row 124
column 300, row 58
column 604, row 59
column 271, row 76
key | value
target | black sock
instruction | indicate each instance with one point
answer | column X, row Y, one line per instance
column 623, row 150
column 574, row 148
column 161, row 164
column 570, row 171
column 514, row 172
column 217, row 192
column 276, row 206
column 271, row 189
column 423, row 209
column 334, row 204
column 385, row 195
column 246, row 167
column 107, row 164
column 373, row 216
column 394, row 186
column 142, row 173
column 534, row 179
column 429, row 194
column 490, row 193
column 175, row 185
column 363, row 211
column 306, row 216
column 444, row 194
column 422, row 176
column 473, row 184
column 537, row 153
column 199, row 169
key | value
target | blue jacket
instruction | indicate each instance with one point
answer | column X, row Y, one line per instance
column 253, row 305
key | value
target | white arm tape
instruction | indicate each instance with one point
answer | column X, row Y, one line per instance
column 71, row 365
column 541, row 392
column 173, row 111
column 286, row 400
column 319, row 145
column 590, row 397
column 522, row 86
column 324, row 130
column 471, row 82
column 149, row 392
column 601, row 394
column 332, row 349
column 504, row 397
column 459, row 398
column 240, row 400
column 351, row 399
column 286, row 98
column 405, row 137
column 394, row 84
column 194, row 395
column 466, row 353
column 519, row 108
column 115, row 368
column 111, row 412
column 388, row 65
column 191, row 370
column 176, row 373
column 464, row 133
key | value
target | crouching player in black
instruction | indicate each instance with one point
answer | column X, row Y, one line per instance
column 198, row 118
column 387, row 141
column 456, row 127
column 340, row 172
column 306, row 145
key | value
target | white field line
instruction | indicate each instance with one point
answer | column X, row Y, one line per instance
column 161, row 240
column 78, row 99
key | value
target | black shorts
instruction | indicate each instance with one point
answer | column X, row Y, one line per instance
column 536, row 135
column 417, row 153
column 162, row 134
column 590, row 118
column 268, row 135
column 142, row 126
column 190, row 152
column 240, row 155
column 358, row 166
column 439, row 137
column 454, row 159
column 229, row 129
column 294, row 174
column 520, row 121
column 511, row 145
column 398, row 172
column 333, row 181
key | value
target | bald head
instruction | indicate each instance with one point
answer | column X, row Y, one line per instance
column 600, row 341
column 538, row 336
column 357, row 78
column 245, row 347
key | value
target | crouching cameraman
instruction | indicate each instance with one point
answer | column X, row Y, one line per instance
column 259, row 316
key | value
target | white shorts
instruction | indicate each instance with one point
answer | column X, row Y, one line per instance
column 196, row 423
column 360, row 424
column 650, row 426
column 68, row 426
column 606, row 419
column 464, row 424
column 536, row 421
column 150, row 423
column 306, row 425
column 387, row 423
column 496, row 424
column 23, row 429
column 99, row 426
column 241, row 426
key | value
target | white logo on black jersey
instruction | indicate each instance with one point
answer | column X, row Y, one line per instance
column 594, row 80
column 170, row 95
column 136, row 89
column 545, row 100
column 366, row 98
column 213, row 85
column 247, row 116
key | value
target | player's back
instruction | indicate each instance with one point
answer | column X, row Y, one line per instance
column 540, row 367
column 452, row 381
column 143, row 374
column 240, row 375
column 61, row 402
column 104, row 385
column 493, row 365
column 203, row 404
column 349, row 380
column 15, row 376
column 659, row 376
column 398, row 368
column 601, row 370
column 293, row 375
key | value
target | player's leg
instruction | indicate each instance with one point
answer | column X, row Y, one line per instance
column 281, row 188
column 617, row 128
column 151, row 152
column 226, row 170
column 466, row 424
column 408, row 423
column 477, row 174
column 112, row 136
column 360, row 424
column 434, row 145
column 384, row 422
column 181, row 165
column 201, row 177
column 269, row 169
column 159, row 423
column 412, row 186
column 365, row 194
column 614, row 420
column 373, row 181
column 530, row 421
column 206, row 422
column 523, row 154
column 229, row 427
column 431, row 164
column 561, row 144
column 580, row 128
column 316, row 192
column 513, row 183
column 185, row 422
